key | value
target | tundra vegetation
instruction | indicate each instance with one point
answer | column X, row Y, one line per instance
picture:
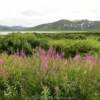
column 64, row 66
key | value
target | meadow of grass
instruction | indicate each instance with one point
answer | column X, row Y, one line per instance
column 50, row 66
column 47, row 75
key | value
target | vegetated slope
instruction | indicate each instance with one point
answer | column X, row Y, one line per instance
column 66, row 25
column 60, row 25
column 11, row 28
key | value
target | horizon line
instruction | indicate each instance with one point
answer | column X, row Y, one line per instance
column 5, row 25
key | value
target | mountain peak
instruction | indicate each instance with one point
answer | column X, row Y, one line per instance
column 67, row 25
column 60, row 25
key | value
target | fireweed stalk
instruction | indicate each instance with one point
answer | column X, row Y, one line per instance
column 90, row 59
column 51, row 54
column 1, row 62
column 20, row 53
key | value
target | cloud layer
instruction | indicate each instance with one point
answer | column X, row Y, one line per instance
column 34, row 12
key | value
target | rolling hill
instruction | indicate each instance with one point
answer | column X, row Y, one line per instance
column 60, row 25
column 67, row 25
column 11, row 28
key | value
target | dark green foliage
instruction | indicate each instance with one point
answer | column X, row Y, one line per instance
column 29, row 41
column 65, row 36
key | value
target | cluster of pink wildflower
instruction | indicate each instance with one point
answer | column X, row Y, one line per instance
column 20, row 53
column 1, row 62
column 45, row 57
column 88, row 58
column 77, row 57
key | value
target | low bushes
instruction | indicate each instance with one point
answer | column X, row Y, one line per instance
column 70, row 43
column 26, row 42
column 81, row 47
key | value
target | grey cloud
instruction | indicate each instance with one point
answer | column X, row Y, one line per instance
column 30, row 13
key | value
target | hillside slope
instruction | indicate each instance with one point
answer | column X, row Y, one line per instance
column 66, row 25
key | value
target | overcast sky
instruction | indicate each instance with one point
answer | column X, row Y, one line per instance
column 34, row 12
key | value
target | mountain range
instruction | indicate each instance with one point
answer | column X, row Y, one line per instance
column 60, row 25
column 11, row 28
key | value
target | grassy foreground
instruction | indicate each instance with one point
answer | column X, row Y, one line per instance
column 49, row 76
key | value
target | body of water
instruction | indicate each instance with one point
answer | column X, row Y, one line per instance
column 8, row 32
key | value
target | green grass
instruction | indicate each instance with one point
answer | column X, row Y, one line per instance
column 25, row 79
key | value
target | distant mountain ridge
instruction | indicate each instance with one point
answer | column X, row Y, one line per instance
column 11, row 28
column 67, row 25
column 60, row 25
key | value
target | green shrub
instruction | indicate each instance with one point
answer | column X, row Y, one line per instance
column 70, row 43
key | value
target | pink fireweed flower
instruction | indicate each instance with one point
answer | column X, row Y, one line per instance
column 1, row 62
column 17, row 52
column 45, row 57
column 50, row 53
column 90, row 59
column 41, row 52
column 44, row 64
column 22, row 53
column 77, row 57
column 58, row 56
column 62, row 55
